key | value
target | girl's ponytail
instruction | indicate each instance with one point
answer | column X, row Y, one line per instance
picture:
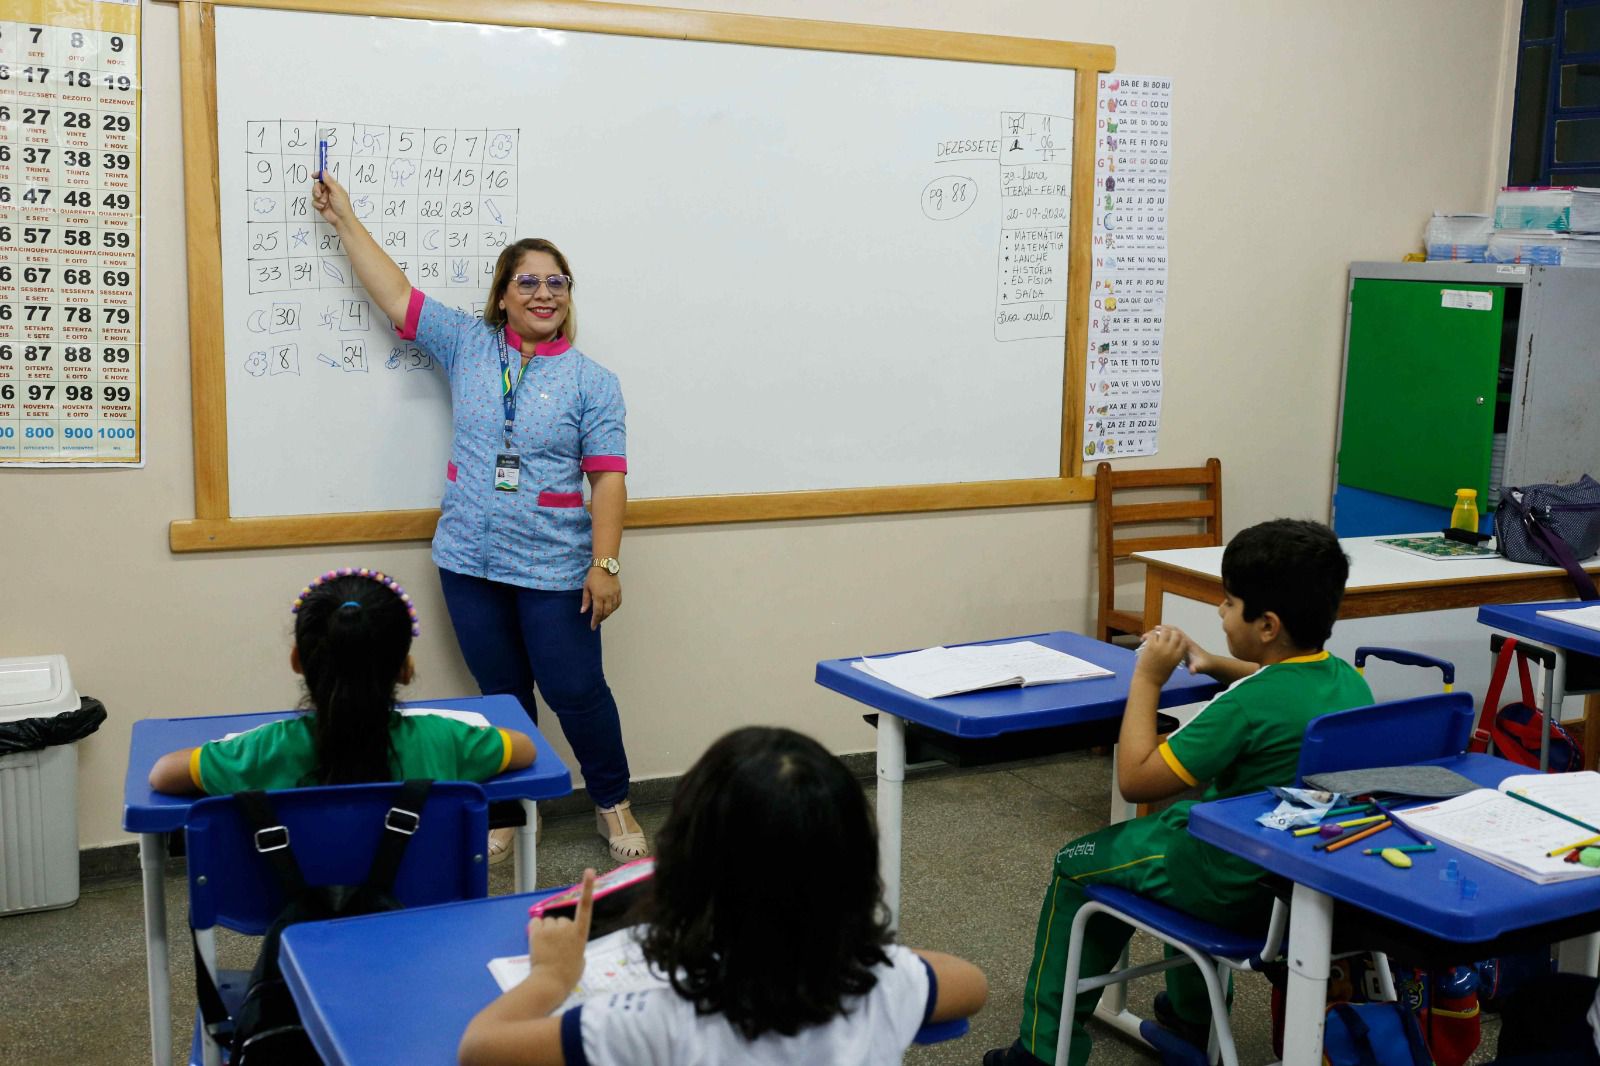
column 352, row 632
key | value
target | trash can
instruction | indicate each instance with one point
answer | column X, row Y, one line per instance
column 40, row 714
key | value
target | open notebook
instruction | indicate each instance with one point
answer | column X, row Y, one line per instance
column 612, row 963
column 1587, row 617
column 1514, row 835
column 935, row 672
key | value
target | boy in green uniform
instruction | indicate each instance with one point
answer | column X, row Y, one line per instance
column 1282, row 582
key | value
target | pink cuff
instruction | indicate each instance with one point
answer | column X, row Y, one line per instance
column 408, row 332
column 593, row 463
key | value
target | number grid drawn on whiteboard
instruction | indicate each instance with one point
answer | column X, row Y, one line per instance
column 70, row 379
column 796, row 332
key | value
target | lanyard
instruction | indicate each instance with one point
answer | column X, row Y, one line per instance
column 508, row 389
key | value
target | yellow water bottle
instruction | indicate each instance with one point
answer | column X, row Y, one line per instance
column 1464, row 515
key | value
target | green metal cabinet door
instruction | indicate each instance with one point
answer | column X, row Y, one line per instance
column 1419, row 389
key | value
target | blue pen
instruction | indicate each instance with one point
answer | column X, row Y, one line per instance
column 322, row 159
column 1410, row 832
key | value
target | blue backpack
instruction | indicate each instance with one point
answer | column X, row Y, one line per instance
column 1373, row 1034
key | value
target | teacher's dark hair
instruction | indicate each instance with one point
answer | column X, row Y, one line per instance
column 767, row 905
column 352, row 635
column 1293, row 568
column 494, row 315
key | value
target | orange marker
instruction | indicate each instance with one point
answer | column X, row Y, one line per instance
column 1351, row 839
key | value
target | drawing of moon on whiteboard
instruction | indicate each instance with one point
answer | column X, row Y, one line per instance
column 430, row 240
column 257, row 322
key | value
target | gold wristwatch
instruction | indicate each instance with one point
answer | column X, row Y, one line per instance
column 608, row 564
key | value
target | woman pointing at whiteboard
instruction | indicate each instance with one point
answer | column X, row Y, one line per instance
column 528, row 574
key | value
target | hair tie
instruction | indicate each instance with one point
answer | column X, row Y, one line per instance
column 371, row 575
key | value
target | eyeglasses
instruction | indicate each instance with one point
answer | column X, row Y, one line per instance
column 528, row 284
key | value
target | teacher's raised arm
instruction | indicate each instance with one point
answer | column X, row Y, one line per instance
column 378, row 274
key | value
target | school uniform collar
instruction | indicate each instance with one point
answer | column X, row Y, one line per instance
column 555, row 347
column 1314, row 657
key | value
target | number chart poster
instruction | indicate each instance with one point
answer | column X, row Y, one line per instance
column 1128, row 283
column 70, row 388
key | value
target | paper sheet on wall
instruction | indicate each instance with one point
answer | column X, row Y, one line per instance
column 71, row 385
column 1128, row 286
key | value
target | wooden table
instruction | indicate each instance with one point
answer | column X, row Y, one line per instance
column 1382, row 581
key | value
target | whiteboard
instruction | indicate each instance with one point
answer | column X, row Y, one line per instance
column 810, row 270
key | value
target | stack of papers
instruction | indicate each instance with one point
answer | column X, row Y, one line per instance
column 1514, row 835
column 1567, row 208
column 936, row 672
column 1588, row 617
column 1461, row 238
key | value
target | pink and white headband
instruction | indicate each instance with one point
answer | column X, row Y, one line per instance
column 371, row 575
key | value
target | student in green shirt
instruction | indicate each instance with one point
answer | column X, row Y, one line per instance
column 352, row 644
column 1282, row 582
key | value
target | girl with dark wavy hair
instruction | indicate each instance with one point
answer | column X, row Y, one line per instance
column 788, row 959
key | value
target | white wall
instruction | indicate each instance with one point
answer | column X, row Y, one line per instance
column 1306, row 135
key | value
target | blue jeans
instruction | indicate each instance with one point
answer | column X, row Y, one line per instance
column 514, row 638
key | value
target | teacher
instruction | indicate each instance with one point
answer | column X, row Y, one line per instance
column 528, row 574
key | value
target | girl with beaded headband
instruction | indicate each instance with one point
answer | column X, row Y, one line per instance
column 352, row 644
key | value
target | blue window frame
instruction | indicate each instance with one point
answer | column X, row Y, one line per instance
column 1555, row 128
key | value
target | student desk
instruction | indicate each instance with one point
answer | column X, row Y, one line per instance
column 400, row 987
column 1414, row 905
column 1095, row 703
column 153, row 815
column 1523, row 621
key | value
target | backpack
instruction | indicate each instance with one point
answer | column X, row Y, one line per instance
column 266, row 1030
column 1515, row 729
column 1373, row 1034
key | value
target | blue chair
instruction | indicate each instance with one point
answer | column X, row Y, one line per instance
column 333, row 833
column 1383, row 734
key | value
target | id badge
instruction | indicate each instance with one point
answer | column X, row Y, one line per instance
column 507, row 472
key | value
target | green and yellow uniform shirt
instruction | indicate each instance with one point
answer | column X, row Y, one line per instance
column 283, row 754
column 1245, row 739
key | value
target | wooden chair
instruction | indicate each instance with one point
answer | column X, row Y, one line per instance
column 1206, row 510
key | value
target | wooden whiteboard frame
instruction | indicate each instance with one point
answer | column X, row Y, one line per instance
column 213, row 528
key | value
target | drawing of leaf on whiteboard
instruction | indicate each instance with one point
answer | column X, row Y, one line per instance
column 332, row 271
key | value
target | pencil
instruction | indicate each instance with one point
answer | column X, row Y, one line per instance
column 1551, row 810
column 1305, row 831
column 1353, row 837
column 1402, row 848
column 1585, row 842
column 1410, row 832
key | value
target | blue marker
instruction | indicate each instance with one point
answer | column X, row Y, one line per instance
column 322, row 159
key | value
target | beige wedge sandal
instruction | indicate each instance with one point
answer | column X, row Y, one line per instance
column 612, row 824
column 501, row 840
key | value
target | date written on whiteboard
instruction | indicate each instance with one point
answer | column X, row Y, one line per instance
column 948, row 197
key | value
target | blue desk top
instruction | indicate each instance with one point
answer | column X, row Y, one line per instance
column 146, row 811
column 1416, row 897
column 1523, row 620
column 994, row 711
column 401, row 986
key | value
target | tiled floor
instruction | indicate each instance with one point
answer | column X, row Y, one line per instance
column 978, row 846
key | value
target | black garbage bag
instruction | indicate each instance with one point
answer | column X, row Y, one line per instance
column 31, row 734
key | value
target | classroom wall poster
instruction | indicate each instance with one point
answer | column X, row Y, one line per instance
column 71, row 383
column 1128, row 282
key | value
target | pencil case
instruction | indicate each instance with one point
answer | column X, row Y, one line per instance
column 618, row 895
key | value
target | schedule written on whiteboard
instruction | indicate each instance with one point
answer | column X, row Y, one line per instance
column 69, row 233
